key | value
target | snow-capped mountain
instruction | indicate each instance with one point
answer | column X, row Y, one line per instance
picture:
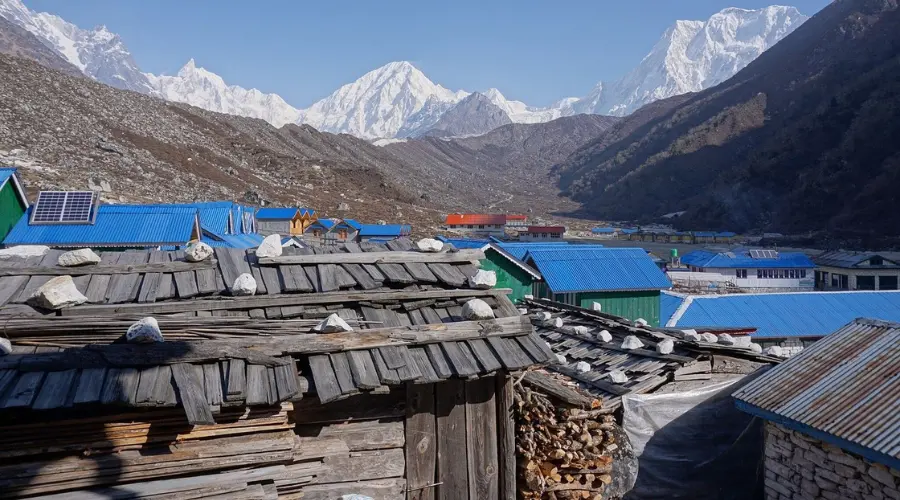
column 379, row 103
column 98, row 53
column 692, row 56
column 198, row 87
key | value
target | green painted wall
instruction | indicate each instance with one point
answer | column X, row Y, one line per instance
column 631, row 305
column 509, row 275
column 11, row 209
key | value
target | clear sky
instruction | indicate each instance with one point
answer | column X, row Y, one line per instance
column 537, row 51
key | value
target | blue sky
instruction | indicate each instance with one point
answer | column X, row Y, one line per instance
column 533, row 50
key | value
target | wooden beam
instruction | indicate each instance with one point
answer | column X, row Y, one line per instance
column 551, row 387
column 161, row 267
column 258, row 302
column 506, row 437
column 450, row 408
column 421, row 441
column 481, row 438
column 376, row 258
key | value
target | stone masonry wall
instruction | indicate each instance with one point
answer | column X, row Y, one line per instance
column 801, row 467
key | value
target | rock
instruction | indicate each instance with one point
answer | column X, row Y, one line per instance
column 554, row 323
column 709, row 337
column 5, row 346
column 245, row 284
column 640, row 323
column 582, row 367
column 483, row 280
column 604, row 335
column 529, row 297
column 596, row 307
column 430, row 245
column 562, row 359
column 692, row 337
column 145, row 331
column 23, row 251
column 332, row 324
column 523, row 311
column 543, row 316
column 632, row 342
column 684, row 333
column 665, row 346
column 742, row 341
column 270, row 246
column 581, row 330
column 477, row 309
column 78, row 257
column 755, row 347
column 343, row 207
column 773, row 351
column 726, row 339
column 618, row 377
column 58, row 293
column 197, row 252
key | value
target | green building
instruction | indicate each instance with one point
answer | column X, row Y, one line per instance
column 511, row 272
column 12, row 200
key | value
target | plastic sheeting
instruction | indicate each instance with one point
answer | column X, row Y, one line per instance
column 694, row 445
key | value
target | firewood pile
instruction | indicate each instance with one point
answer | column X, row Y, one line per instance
column 562, row 453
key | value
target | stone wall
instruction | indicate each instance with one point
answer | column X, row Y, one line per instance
column 800, row 467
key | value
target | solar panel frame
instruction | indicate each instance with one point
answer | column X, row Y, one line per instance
column 64, row 207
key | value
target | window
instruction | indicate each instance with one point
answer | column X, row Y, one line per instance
column 865, row 282
column 481, row 226
column 887, row 282
column 555, row 235
column 876, row 261
column 740, row 273
column 759, row 274
column 803, row 273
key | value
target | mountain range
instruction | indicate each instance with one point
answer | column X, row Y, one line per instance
column 397, row 100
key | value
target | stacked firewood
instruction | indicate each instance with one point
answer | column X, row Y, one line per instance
column 562, row 453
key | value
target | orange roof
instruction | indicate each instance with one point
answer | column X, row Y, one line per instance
column 461, row 219
column 546, row 229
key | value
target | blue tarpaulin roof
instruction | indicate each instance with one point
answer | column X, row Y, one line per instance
column 742, row 259
column 115, row 225
column 775, row 315
column 586, row 268
column 394, row 230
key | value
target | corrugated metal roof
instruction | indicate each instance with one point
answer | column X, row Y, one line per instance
column 6, row 173
column 355, row 224
column 276, row 213
column 116, row 225
column 845, row 386
column 669, row 302
column 325, row 224
column 577, row 268
column 519, row 250
column 384, row 230
column 776, row 315
column 742, row 259
column 464, row 243
column 845, row 259
column 242, row 241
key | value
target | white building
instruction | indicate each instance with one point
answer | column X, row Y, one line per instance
column 842, row 270
column 757, row 270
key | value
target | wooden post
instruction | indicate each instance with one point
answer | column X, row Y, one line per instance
column 421, row 442
column 481, row 439
column 506, row 437
column 451, row 432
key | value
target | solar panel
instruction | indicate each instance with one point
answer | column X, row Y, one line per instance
column 63, row 207
column 764, row 254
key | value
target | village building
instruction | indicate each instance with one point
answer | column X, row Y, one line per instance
column 542, row 233
column 344, row 230
column 605, row 233
column 284, row 221
column 319, row 228
column 843, row 270
column 480, row 225
column 754, row 270
column 13, row 202
column 244, row 399
column 623, row 281
column 511, row 272
column 831, row 419
column 383, row 233
column 516, row 221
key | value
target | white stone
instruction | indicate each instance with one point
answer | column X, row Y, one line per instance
column 483, row 280
column 245, row 284
column 582, row 367
column 725, row 339
column 270, row 246
column 742, row 341
column 145, row 331
column 543, row 316
column 773, row 351
column 604, row 335
column 197, row 252
column 580, row 329
column 688, row 331
column 78, row 257
column 665, row 346
column 640, row 323
column 430, row 245
column 562, row 359
column 529, row 297
column 477, row 309
column 57, row 293
column 632, row 342
column 709, row 337
column 23, row 251
column 755, row 347
column 332, row 324
column 618, row 377
column 692, row 337
column 523, row 311
column 554, row 323
column 596, row 307
column 5, row 346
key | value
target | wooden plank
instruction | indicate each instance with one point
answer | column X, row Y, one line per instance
column 312, row 274
column 387, row 375
column 286, row 381
column 364, row 406
column 124, row 287
column 327, row 386
column 106, row 267
column 356, row 435
column 342, row 371
column 410, row 370
column 378, row 489
column 232, row 263
column 144, row 395
column 255, row 270
column 506, row 437
column 344, row 278
column 189, row 382
column 352, row 247
column 294, row 279
column 328, row 279
column 164, row 389
column 257, row 385
column 185, row 282
column 448, row 274
column 463, row 365
column 363, row 465
column 484, row 355
column 361, row 277
column 271, row 386
column 421, row 441
column 420, row 358
column 373, row 271
column 120, row 386
column 420, row 272
column 537, row 348
column 206, row 281
column 394, row 356
column 166, row 288
column 212, row 382
column 362, row 369
column 271, row 276
column 463, row 256
column 55, row 390
column 509, row 352
column 452, row 471
column 7, row 377
column 395, row 273
column 23, row 390
column 90, row 385
column 10, row 286
column 430, row 316
column 150, row 285
column 236, row 383
column 548, row 385
column 481, row 438
column 439, row 360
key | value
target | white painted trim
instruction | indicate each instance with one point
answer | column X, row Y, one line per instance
column 685, row 304
column 18, row 188
column 525, row 267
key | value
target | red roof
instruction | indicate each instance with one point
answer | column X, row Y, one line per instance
column 480, row 219
column 546, row 229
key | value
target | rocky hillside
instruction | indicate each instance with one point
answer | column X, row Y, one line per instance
column 803, row 139
column 17, row 41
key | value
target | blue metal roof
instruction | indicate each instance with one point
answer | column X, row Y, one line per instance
column 603, row 230
column 214, row 215
column 742, row 259
column 384, row 230
column 355, row 224
column 115, row 225
column 776, row 315
column 668, row 304
column 629, row 231
column 325, row 224
column 726, row 234
column 6, row 173
column 276, row 213
column 242, row 241
column 519, row 250
column 464, row 243
column 583, row 268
